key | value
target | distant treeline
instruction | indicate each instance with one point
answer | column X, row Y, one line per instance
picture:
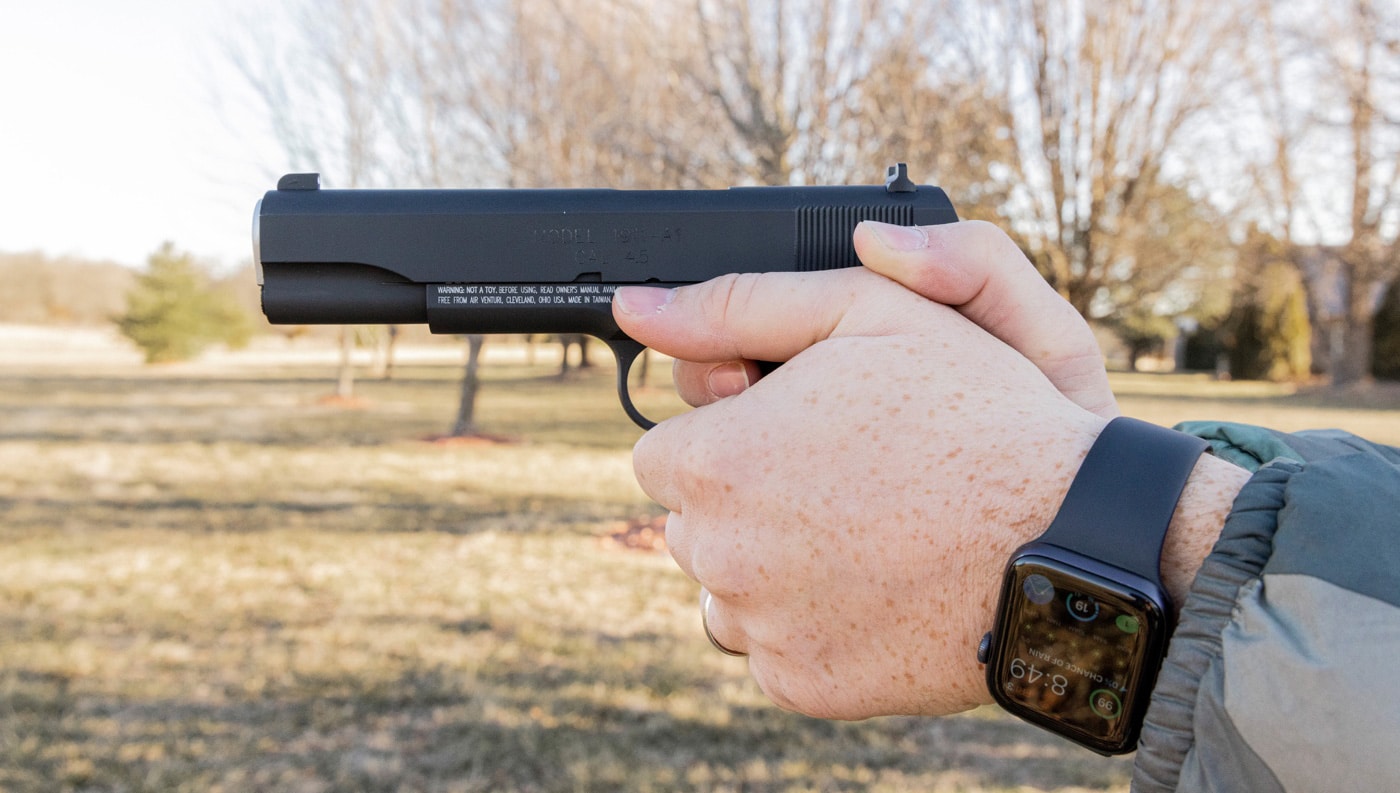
column 40, row 289
column 44, row 290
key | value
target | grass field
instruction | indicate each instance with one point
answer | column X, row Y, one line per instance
column 212, row 581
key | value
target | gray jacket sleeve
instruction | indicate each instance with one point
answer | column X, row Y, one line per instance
column 1284, row 671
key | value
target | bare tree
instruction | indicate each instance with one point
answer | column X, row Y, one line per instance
column 773, row 91
column 1101, row 98
column 1361, row 66
column 925, row 104
column 320, row 83
column 1067, row 128
column 1325, row 79
column 453, row 62
column 509, row 94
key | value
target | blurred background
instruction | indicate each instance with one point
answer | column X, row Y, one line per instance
column 247, row 558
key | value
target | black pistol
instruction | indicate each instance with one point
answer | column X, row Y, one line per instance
column 546, row 261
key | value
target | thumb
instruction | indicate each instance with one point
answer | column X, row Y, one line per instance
column 974, row 267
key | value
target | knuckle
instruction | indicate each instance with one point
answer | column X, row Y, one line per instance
column 985, row 235
column 709, row 480
column 988, row 242
column 720, row 569
column 792, row 687
column 691, row 464
column 771, row 683
column 728, row 301
column 649, row 466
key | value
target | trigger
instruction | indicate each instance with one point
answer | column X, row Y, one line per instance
column 627, row 351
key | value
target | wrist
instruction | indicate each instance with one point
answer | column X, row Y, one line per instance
column 1200, row 515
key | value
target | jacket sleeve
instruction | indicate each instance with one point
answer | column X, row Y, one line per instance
column 1284, row 671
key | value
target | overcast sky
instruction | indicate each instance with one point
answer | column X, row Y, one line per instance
column 122, row 125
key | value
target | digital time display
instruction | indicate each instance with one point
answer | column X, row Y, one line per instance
column 1071, row 651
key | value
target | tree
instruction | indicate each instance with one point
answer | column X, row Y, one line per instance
column 464, row 425
column 1268, row 334
column 1182, row 262
column 1326, row 79
column 1364, row 59
column 470, row 102
column 776, row 92
column 39, row 289
column 951, row 130
column 173, row 313
column 322, row 82
column 1103, row 98
column 1067, row 118
column 1142, row 332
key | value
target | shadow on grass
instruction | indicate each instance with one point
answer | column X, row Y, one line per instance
column 24, row 516
column 277, row 410
column 505, row 728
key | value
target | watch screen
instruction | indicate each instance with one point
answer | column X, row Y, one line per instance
column 1072, row 650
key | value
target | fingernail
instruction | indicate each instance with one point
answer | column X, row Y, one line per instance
column 641, row 300
column 728, row 379
column 899, row 238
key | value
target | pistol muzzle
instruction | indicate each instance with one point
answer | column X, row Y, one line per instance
column 257, row 241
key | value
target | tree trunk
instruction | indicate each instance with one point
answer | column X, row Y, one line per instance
column 1351, row 365
column 1354, row 366
column 567, row 341
column 584, row 362
column 345, row 380
column 465, row 425
column 389, row 350
column 644, row 369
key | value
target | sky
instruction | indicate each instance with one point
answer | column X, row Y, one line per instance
column 123, row 125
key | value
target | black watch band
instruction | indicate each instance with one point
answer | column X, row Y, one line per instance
column 1122, row 500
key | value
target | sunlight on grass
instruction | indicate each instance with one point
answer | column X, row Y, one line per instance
column 215, row 582
column 1169, row 399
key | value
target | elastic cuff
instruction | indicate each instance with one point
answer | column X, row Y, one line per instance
column 1246, row 543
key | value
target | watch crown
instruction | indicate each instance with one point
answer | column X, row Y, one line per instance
column 984, row 648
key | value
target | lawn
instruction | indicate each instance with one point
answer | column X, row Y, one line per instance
column 215, row 581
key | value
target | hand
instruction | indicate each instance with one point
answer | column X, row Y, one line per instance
column 975, row 268
column 852, row 514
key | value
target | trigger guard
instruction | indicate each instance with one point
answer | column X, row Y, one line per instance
column 626, row 354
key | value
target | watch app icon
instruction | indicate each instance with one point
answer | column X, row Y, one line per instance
column 1038, row 589
column 1082, row 607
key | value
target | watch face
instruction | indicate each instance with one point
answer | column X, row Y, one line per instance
column 1076, row 652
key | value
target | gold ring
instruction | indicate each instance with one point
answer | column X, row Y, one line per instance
column 705, row 621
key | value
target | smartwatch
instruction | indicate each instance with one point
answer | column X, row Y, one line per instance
column 1083, row 620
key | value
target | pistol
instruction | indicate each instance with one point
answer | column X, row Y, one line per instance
column 546, row 260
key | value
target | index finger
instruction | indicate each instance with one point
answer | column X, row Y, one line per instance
column 753, row 316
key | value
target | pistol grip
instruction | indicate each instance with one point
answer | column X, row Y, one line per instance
column 627, row 351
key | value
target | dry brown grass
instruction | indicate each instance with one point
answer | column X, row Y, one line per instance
column 1372, row 412
column 211, row 582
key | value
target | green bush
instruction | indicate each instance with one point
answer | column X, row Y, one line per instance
column 1269, row 327
column 174, row 312
column 1268, row 334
